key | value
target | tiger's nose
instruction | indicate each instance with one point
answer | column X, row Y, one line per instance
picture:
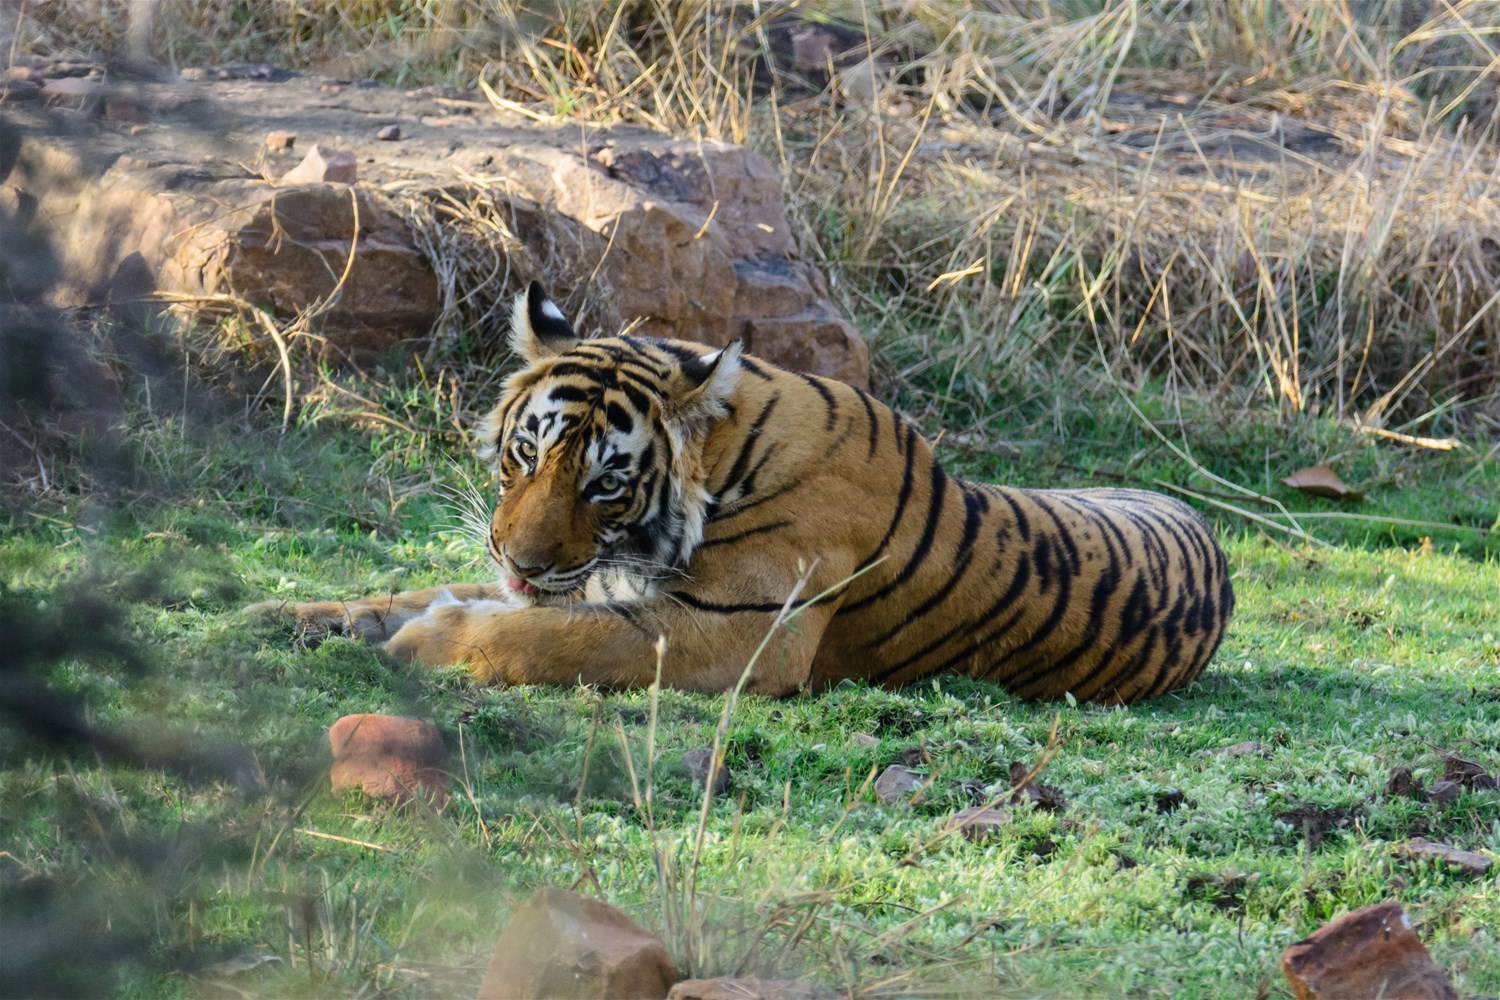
column 526, row 570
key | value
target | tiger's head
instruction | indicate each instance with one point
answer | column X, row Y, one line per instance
column 597, row 447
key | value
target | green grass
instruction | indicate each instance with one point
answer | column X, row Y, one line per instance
column 1343, row 662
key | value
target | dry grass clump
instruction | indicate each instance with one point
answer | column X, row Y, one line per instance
column 1272, row 201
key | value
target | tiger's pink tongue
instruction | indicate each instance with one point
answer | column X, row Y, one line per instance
column 515, row 584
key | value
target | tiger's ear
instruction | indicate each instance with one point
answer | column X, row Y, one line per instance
column 538, row 329
column 701, row 386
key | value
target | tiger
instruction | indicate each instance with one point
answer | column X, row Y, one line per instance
column 675, row 513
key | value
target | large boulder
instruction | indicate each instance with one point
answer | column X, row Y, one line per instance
column 188, row 198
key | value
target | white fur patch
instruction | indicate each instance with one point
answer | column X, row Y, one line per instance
column 550, row 310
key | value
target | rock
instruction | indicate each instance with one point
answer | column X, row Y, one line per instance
column 281, row 139
column 323, row 165
column 743, row 988
column 1401, row 784
column 978, row 823
column 705, row 772
column 897, row 783
column 390, row 133
column 563, row 945
column 1468, row 773
column 689, row 237
column 1371, row 952
column 863, row 740
column 1028, row 789
column 70, row 86
column 1443, row 792
column 1470, row 861
column 389, row 757
column 1245, row 749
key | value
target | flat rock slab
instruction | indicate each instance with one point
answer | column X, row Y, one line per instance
column 898, row 783
column 564, row 946
column 1471, row 862
column 1371, row 952
column 689, row 237
column 389, row 757
column 977, row 823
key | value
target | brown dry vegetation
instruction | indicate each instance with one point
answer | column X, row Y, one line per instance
column 1289, row 203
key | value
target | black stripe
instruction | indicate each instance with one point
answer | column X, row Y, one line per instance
column 570, row 394
column 1064, row 596
column 1022, row 521
column 1018, row 581
column 722, row 609
column 755, row 368
column 1105, row 587
column 929, row 530
column 752, row 435
column 740, row 507
column 748, row 532
column 828, row 400
column 626, row 611
column 901, row 500
column 864, row 398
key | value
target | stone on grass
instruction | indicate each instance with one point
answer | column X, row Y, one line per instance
column 1471, row 862
column 323, row 165
column 743, row 988
column 1468, row 773
column 389, row 134
column 1443, row 792
column 863, row 740
column 389, row 757
column 978, row 823
column 898, row 783
column 1244, row 749
column 1371, row 952
column 705, row 772
column 571, row 947
column 281, row 139
column 1402, row 785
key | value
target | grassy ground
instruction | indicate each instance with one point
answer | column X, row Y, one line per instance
column 1085, row 335
column 1172, row 871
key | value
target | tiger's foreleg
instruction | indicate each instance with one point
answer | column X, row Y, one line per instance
column 374, row 619
column 615, row 645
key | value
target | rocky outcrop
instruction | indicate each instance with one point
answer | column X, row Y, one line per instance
column 178, row 190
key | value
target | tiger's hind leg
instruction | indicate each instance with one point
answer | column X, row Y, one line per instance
column 373, row 619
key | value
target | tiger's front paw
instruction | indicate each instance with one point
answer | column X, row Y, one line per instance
column 320, row 619
column 451, row 634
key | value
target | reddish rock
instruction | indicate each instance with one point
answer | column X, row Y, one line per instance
column 323, row 165
column 281, row 139
column 390, row 133
column 978, row 823
column 564, row 946
column 864, row 741
column 389, row 757
column 1371, row 952
column 743, row 988
column 700, row 766
column 897, row 784
column 1471, row 862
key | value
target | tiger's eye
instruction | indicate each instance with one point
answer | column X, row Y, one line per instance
column 608, row 483
column 527, row 450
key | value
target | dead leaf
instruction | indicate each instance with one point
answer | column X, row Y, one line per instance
column 1321, row 481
